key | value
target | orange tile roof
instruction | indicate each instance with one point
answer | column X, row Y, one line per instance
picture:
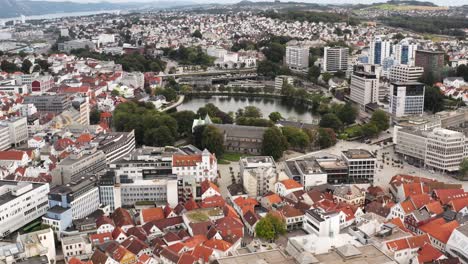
column 420, row 199
column 440, row 229
column 291, row 184
column 150, row 214
column 445, row 195
column 186, row 258
column 206, row 184
column 177, row 247
column 412, row 189
column 428, row 253
column 194, row 241
column 202, row 252
column 245, row 204
column 408, row 242
column 458, row 204
column 407, row 206
column 186, row 160
column 434, row 208
column 273, row 198
column 217, row 244
column 213, row 201
column 397, row 221
column 11, row 155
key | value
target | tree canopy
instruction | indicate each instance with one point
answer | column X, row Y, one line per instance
column 212, row 139
column 270, row 227
column 274, row 143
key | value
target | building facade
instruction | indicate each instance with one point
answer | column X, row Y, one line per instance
column 335, row 59
column 364, row 88
column 405, row 73
column 406, row 98
column 297, row 57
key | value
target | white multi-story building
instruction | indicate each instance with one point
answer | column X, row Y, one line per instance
column 5, row 142
column 379, row 50
column 20, row 204
column 306, row 171
column 297, row 57
column 258, row 175
column 364, row 88
column 405, row 52
column 321, row 223
column 18, row 128
column 457, row 245
column 440, row 149
column 406, row 99
column 405, row 73
column 335, row 59
column 281, row 79
column 361, row 165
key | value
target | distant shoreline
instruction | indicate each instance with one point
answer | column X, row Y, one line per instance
column 60, row 15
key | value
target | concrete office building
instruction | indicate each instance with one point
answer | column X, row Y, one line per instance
column 361, row 165
column 335, row 59
column 321, row 223
column 18, row 129
column 77, row 164
column 440, row 149
column 406, row 99
column 405, row 73
column 68, row 46
column 73, row 201
column 297, row 57
column 49, row 103
column 306, row 171
column 5, row 141
column 118, row 191
column 115, row 145
column 364, row 88
column 379, row 50
column 431, row 61
column 20, row 204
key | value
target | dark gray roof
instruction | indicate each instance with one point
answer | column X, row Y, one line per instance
column 241, row 131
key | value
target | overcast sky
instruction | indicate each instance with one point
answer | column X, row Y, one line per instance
column 438, row 2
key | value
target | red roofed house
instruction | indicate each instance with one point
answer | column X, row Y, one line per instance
column 404, row 249
column 439, row 231
column 269, row 200
column 20, row 158
column 150, row 214
column 220, row 248
column 242, row 205
column 458, row 204
column 213, row 201
column 209, row 189
column 401, row 210
column 288, row 186
column 100, row 238
column 446, row 195
column 122, row 219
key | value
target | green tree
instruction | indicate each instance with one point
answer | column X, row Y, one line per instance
column 330, row 120
column 212, row 139
column 347, row 114
column 160, row 137
column 380, row 119
column 274, row 143
column 326, row 76
column 115, row 93
column 95, row 116
column 184, row 121
column 8, row 67
column 313, row 73
column 274, row 52
column 197, row 136
column 169, row 93
column 26, row 66
column 326, row 137
column 252, row 111
column 270, row 227
column 369, row 130
column 197, row 34
column 463, row 172
column 275, row 116
column 296, row 138
column 433, row 99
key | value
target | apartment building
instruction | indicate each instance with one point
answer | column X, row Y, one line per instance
column 20, row 204
column 73, row 201
column 364, row 88
column 281, row 79
column 5, row 142
column 321, row 223
column 405, row 73
column 405, row 52
column 379, row 50
column 258, row 175
column 406, row 98
column 335, row 59
column 297, row 57
column 78, row 246
column 361, row 165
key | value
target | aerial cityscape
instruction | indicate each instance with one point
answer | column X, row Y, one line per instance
column 251, row 132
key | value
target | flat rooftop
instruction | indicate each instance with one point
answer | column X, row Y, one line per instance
column 358, row 255
column 7, row 196
column 271, row 257
column 358, row 154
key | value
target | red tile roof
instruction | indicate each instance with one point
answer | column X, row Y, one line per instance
column 101, row 238
column 186, row 160
column 206, row 184
column 428, row 253
column 246, row 204
column 213, row 201
column 408, row 242
column 434, row 208
column 291, row 184
column 440, row 229
column 217, row 244
column 186, row 258
column 150, row 214
column 122, row 217
column 273, row 198
column 445, row 195
column 202, row 252
column 407, row 206
column 11, row 155
column 419, row 200
column 458, row 204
